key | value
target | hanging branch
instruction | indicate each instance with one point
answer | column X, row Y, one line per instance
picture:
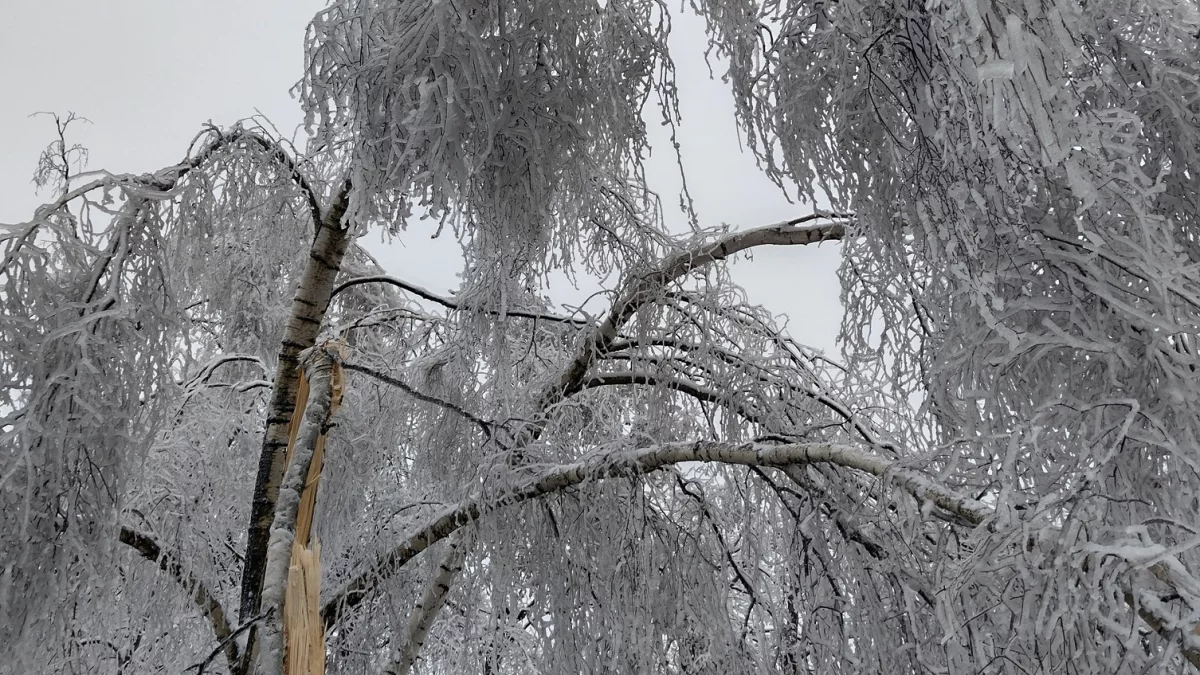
column 158, row 185
column 208, row 605
column 640, row 462
column 640, row 290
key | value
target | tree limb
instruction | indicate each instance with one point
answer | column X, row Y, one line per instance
column 640, row 462
column 639, row 290
column 208, row 605
column 163, row 181
column 483, row 424
column 426, row 611
column 447, row 302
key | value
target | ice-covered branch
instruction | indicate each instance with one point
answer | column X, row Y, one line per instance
column 160, row 183
column 483, row 424
column 641, row 289
column 640, row 462
column 208, row 605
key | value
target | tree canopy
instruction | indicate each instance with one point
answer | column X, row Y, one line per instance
column 999, row 474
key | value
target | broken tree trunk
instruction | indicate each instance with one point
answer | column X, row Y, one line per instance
column 303, row 629
column 291, row 584
column 308, row 311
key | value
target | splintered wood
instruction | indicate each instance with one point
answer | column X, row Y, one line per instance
column 304, row 631
column 302, row 614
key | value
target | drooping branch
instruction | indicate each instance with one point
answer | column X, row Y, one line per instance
column 639, row 290
column 159, row 184
column 285, row 160
column 640, row 462
column 449, row 303
column 208, row 605
column 483, row 424
column 859, row 425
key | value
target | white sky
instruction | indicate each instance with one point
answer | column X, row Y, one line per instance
column 149, row 73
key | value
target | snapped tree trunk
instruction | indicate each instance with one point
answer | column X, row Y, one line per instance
column 285, row 551
column 308, row 311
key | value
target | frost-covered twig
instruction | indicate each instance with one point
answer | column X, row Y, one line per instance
column 483, row 424
column 447, row 302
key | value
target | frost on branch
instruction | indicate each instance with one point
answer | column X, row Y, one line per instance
column 1019, row 385
column 1024, row 266
column 520, row 121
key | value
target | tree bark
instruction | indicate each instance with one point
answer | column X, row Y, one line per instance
column 318, row 368
column 308, row 312
column 426, row 611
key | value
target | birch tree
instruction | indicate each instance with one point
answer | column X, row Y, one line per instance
column 998, row 473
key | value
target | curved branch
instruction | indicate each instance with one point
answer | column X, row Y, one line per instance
column 861, row 427
column 691, row 389
column 447, row 302
column 164, row 180
column 640, row 462
column 642, row 289
column 483, row 424
column 205, row 602
column 285, row 160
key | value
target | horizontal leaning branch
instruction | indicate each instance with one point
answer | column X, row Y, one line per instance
column 640, row 462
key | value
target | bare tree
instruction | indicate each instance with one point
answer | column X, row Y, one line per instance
column 998, row 476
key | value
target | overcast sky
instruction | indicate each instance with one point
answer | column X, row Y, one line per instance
column 149, row 73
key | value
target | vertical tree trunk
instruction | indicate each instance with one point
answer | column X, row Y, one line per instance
column 308, row 311
column 282, row 553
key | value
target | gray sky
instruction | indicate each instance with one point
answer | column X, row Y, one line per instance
column 149, row 73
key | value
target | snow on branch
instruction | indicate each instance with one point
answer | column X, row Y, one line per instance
column 641, row 289
column 640, row 462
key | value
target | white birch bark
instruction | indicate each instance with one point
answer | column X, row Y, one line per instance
column 318, row 366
